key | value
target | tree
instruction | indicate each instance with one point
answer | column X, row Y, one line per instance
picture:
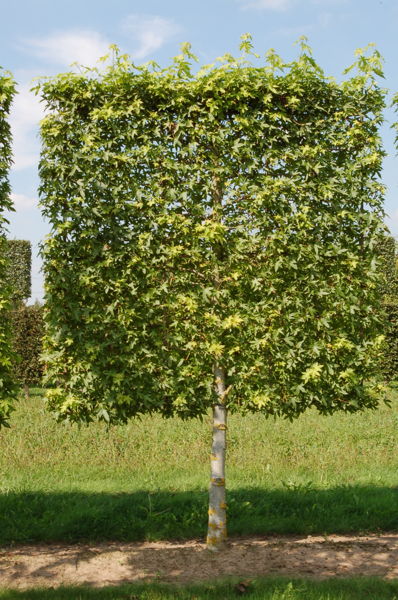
column 7, row 384
column 212, row 242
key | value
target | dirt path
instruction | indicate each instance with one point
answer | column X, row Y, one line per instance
column 112, row 564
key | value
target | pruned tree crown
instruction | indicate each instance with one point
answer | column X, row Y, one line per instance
column 225, row 217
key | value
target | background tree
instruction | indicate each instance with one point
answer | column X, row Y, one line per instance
column 7, row 385
column 212, row 242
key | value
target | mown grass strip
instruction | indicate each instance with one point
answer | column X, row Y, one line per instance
column 259, row 589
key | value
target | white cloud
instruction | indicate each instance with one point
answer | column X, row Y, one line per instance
column 26, row 113
column 328, row 2
column 282, row 5
column 65, row 47
column 278, row 5
column 323, row 21
column 23, row 202
column 149, row 33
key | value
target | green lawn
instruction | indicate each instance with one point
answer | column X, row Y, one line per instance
column 148, row 480
column 260, row 589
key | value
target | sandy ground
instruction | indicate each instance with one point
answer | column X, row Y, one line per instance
column 113, row 563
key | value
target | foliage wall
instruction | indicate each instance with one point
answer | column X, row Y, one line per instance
column 27, row 333
column 391, row 301
column 7, row 387
column 390, row 356
column 388, row 255
column 224, row 218
column 19, row 272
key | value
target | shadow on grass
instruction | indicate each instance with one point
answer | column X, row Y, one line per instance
column 264, row 589
column 79, row 516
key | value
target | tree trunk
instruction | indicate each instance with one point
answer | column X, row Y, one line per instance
column 217, row 529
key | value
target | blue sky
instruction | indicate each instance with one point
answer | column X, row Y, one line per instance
column 43, row 37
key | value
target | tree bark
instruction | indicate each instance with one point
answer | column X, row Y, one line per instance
column 217, row 528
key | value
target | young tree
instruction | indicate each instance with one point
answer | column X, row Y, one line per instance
column 7, row 385
column 212, row 242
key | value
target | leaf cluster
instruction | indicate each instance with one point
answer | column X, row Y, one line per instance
column 225, row 217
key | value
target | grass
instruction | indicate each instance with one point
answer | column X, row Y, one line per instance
column 261, row 589
column 148, row 480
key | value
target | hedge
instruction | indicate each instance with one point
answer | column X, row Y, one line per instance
column 28, row 330
column 19, row 256
column 388, row 256
column 390, row 358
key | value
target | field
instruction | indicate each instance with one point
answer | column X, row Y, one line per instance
column 148, row 480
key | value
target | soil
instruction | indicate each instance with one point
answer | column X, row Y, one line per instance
column 99, row 565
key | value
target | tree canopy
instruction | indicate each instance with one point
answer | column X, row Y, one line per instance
column 224, row 217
